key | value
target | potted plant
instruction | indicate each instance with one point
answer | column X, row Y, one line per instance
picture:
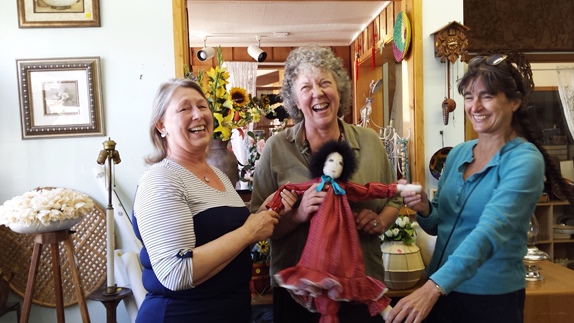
column 260, row 280
column 401, row 256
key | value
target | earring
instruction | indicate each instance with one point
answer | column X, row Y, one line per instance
column 163, row 133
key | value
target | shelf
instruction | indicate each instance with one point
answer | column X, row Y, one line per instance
column 553, row 202
column 545, row 214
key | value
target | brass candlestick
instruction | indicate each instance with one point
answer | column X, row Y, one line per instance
column 110, row 154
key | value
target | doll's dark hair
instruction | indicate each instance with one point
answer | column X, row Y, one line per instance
column 320, row 156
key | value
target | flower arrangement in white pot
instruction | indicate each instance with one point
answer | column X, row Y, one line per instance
column 45, row 210
column 401, row 256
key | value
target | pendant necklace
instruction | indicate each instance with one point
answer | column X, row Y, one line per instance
column 205, row 178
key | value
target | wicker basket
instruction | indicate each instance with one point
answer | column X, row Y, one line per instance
column 89, row 242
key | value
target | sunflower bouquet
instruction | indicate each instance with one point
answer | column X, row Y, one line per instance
column 233, row 109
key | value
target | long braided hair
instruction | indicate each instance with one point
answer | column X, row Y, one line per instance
column 510, row 72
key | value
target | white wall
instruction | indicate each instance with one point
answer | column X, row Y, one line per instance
column 437, row 14
column 135, row 45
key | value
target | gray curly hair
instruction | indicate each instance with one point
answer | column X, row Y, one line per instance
column 314, row 58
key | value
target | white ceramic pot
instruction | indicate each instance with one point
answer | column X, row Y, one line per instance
column 403, row 264
column 41, row 228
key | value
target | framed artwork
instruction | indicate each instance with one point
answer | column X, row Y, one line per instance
column 58, row 13
column 60, row 97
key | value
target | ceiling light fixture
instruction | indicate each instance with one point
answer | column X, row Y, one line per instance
column 256, row 52
column 206, row 52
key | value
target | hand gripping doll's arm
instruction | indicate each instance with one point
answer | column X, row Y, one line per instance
column 331, row 268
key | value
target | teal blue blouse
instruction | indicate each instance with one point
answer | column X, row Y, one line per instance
column 491, row 210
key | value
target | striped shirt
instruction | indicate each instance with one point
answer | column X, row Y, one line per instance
column 168, row 198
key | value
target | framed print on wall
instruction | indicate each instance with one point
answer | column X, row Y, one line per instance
column 58, row 13
column 60, row 97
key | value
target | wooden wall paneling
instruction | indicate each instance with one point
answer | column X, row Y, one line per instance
column 398, row 7
column 279, row 54
column 370, row 32
column 359, row 42
column 416, row 92
column 344, row 52
column 180, row 37
column 240, row 54
column 377, row 27
column 383, row 24
column 390, row 17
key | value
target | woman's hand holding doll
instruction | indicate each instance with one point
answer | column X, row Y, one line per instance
column 417, row 201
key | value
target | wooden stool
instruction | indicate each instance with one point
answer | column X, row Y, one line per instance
column 53, row 239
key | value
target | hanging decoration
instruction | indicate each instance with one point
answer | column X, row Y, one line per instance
column 395, row 145
column 401, row 36
column 448, row 104
column 397, row 152
column 450, row 43
column 373, row 63
column 357, row 55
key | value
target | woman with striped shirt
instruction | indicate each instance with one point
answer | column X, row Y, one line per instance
column 195, row 228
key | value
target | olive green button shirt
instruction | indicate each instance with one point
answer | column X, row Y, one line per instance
column 285, row 158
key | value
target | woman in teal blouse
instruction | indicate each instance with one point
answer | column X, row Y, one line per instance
column 486, row 195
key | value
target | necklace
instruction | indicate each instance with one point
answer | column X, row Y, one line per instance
column 205, row 178
column 194, row 170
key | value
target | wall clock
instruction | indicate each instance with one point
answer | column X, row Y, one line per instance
column 450, row 43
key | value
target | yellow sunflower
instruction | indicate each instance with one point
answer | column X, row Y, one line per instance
column 239, row 96
column 264, row 246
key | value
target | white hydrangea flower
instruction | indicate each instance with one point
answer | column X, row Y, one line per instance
column 44, row 206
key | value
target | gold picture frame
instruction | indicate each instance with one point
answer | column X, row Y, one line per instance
column 58, row 13
column 60, row 97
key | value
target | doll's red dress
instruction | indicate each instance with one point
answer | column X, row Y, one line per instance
column 331, row 268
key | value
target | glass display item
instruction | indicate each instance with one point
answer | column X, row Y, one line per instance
column 533, row 254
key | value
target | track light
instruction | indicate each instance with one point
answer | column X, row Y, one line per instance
column 256, row 52
column 206, row 52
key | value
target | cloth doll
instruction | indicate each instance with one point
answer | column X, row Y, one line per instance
column 331, row 268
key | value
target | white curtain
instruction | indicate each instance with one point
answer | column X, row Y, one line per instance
column 243, row 74
column 566, row 91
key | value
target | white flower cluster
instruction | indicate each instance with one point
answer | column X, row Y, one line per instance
column 403, row 221
column 45, row 205
column 401, row 230
column 393, row 232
